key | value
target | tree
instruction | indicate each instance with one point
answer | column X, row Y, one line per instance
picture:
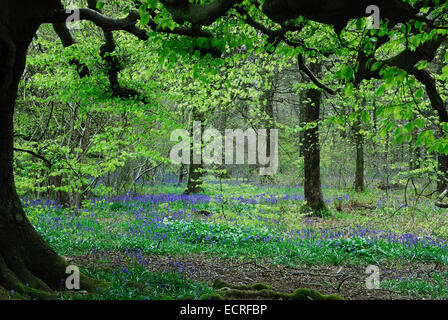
column 196, row 168
column 359, row 144
column 311, row 146
column 24, row 257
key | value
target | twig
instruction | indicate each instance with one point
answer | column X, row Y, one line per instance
column 340, row 284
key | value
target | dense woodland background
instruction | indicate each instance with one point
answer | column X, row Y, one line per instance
column 76, row 137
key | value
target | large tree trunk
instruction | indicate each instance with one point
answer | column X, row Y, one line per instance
column 27, row 263
column 311, row 148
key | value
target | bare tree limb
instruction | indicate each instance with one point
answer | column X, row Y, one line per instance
column 312, row 77
column 41, row 157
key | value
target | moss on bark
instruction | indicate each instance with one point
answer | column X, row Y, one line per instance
column 4, row 295
column 260, row 290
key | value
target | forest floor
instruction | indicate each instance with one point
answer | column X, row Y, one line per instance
column 165, row 245
column 347, row 281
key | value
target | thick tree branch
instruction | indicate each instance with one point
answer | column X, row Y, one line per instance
column 406, row 61
column 431, row 89
column 312, row 77
column 190, row 32
column 113, row 64
column 67, row 40
column 336, row 13
column 35, row 155
column 61, row 16
column 204, row 15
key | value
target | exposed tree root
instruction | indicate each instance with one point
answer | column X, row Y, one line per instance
column 4, row 295
column 29, row 267
column 19, row 282
column 260, row 290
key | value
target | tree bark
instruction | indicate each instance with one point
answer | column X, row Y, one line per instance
column 359, row 145
column 27, row 263
column 415, row 156
column 269, row 120
column 442, row 169
column 359, row 171
column 195, row 171
column 311, row 148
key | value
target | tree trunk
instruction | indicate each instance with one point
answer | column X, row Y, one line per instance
column 27, row 264
column 386, row 173
column 269, row 121
column 180, row 179
column 61, row 197
column 415, row 156
column 359, row 144
column 442, row 165
column 359, row 172
column 442, row 168
column 195, row 171
column 311, row 148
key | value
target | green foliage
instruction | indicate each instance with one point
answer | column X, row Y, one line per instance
column 434, row 288
column 137, row 283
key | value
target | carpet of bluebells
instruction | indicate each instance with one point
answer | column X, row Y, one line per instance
column 240, row 222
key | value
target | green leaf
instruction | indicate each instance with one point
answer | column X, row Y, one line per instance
column 365, row 116
column 420, row 93
column 399, row 139
column 420, row 123
column 410, row 126
column 424, row 137
column 348, row 73
column 422, row 65
column 445, row 71
column 376, row 66
column 389, row 126
column 144, row 15
column 359, row 24
column 379, row 111
column 380, row 91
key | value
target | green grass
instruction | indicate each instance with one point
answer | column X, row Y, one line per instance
column 434, row 288
column 137, row 283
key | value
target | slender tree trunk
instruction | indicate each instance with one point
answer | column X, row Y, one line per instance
column 61, row 197
column 359, row 145
column 442, row 168
column 269, row 122
column 385, row 178
column 224, row 174
column 180, row 179
column 311, row 148
column 359, row 172
column 195, row 171
column 442, row 163
column 414, row 152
